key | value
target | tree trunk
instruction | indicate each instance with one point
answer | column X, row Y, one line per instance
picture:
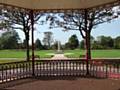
column 87, row 42
column 88, row 46
column 88, row 51
column 27, row 47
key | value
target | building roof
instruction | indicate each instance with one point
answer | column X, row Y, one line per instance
column 56, row 4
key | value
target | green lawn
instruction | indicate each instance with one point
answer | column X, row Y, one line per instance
column 22, row 53
column 95, row 53
column 9, row 61
column 12, row 54
column 74, row 53
column 106, row 53
column 47, row 53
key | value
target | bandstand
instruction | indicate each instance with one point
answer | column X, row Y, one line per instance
column 78, row 67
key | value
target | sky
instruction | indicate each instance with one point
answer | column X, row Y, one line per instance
column 107, row 29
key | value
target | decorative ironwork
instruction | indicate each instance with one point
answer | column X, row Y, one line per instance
column 14, row 71
column 97, row 69
column 99, row 7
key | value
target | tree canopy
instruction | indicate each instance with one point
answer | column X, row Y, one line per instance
column 83, row 21
column 9, row 40
column 38, row 44
column 73, row 42
column 48, row 39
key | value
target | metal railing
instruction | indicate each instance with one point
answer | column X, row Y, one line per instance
column 14, row 71
column 97, row 68
column 60, row 68
column 105, row 68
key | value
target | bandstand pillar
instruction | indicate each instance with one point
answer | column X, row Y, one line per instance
column 87, row 41
column 32, row 33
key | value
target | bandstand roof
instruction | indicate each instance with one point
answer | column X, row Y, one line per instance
column 57, row 4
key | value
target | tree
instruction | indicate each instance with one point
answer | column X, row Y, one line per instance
column 96, row 45
column 106, row 42
column 4, row 23
column 82, row 44
column 83, row 21
column 20, row 20
column 55, row 45
column 117, row 42
column 24, row 44
column 9, row 40
column 73, row 42
column 48, row 39
column 67, row 46
column 38, row 44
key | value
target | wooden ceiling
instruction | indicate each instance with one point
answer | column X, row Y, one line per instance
column 56, row 4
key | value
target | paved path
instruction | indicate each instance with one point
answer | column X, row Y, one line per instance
column 59, row 56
